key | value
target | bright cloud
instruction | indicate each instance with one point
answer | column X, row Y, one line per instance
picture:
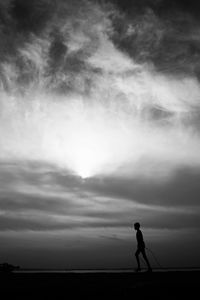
column 116, row 129
column 81, row 104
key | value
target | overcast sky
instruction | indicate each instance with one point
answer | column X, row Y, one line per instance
column 99, row 128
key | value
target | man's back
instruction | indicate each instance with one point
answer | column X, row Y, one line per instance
column 139, row 237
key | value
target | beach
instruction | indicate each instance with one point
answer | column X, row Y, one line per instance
column 99, row 284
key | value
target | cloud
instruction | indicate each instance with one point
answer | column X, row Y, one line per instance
column 151, row 27
column 141, row 122
column 70, row 97
column 78, row 98
column 56, row 202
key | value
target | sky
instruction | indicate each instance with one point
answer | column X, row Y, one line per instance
column 99, row 129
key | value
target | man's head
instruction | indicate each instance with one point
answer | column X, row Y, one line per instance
column 137, row 226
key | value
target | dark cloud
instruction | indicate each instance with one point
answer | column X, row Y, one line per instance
column 164, row 33
column 160, row 6
column 46, row 224
column 31, row 16
column 40, row 28
column 181, row 190
column 56, row 201
column 142, row 29
column 42, row 217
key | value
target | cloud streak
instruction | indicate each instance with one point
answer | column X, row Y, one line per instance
column 62, row 202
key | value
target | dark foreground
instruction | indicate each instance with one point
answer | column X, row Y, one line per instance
column 156, row 285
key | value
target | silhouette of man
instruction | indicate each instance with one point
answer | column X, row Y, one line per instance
column 140, row 248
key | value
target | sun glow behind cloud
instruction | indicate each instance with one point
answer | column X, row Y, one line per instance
column 128, row 120
column 104, row 134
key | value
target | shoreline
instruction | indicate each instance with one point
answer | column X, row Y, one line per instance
column 100, row 285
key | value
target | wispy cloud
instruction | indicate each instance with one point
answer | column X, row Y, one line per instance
column 106, row 113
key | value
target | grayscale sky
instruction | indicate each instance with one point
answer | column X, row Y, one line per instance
column 99, row 128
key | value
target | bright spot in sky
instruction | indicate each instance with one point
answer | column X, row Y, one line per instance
column 86, row 161
column 135, row 131
column 87, row 157
column 90, row 146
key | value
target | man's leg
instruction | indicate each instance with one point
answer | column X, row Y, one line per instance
column 146, row 259
column 138, row 260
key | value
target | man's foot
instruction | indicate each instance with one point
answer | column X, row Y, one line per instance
column 138, row 270
column 149, row 270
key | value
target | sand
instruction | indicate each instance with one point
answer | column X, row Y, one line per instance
column 100, row 285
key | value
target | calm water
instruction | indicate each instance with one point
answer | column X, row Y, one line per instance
column 104, row 270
